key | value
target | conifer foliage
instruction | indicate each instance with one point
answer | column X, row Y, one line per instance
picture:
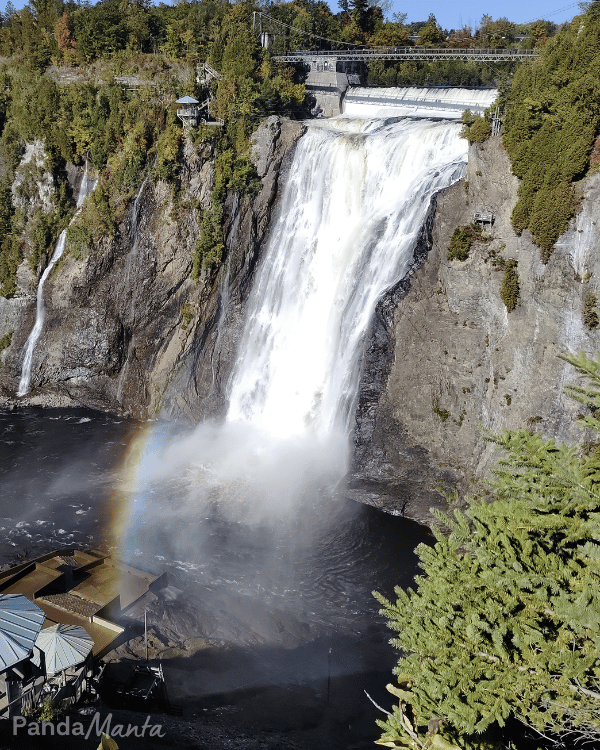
column 505, row 619
column 552, row 120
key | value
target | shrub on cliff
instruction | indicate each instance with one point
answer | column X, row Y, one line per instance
column 505, row 619
column 552, row 118
column 476, row 131
column 462, row 240
column 509, row 291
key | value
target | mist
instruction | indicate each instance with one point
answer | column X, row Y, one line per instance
column 255, row 503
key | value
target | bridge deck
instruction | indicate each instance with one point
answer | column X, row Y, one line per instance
column 414, row 53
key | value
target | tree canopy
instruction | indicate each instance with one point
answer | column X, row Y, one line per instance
column 505, row 620
column 552, row 119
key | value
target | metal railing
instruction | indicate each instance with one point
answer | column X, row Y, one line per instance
column 188, row 112
column 414, row 53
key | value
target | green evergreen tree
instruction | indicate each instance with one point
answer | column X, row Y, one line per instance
column 509, row 291
column 505, row 619
column 431, row 33
column 360, row 10
column 9, row 11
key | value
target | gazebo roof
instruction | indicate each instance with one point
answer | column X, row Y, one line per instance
column 64, row 646
column 187, row 100
column 20, row 623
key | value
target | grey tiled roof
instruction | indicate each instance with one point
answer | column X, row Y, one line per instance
column 20, row 623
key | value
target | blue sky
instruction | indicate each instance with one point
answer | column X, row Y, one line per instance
column 454, row 13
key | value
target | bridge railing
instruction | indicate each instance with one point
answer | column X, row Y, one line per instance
column 414, row 53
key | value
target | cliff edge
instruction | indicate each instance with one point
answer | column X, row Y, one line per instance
column 457, row 363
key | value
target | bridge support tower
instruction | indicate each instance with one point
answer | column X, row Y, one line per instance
column 328, row 79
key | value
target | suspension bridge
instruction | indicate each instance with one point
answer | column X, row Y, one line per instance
column 335, row 75
column 425, row 54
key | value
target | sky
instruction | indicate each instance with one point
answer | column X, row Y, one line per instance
column 452, row 14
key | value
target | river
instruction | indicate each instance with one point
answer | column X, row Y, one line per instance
column 289, row 603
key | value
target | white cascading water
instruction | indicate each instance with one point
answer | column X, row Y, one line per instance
column 356, row 196
column 354, row 204
column 447, row 102
column 86, row 187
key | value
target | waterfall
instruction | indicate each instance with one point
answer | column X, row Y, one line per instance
column 356, row 195
column 447, row 102
column 355, row 199
column 86, row 187
column 353, row 206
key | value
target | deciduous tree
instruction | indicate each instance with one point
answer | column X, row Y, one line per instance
column 65, row 39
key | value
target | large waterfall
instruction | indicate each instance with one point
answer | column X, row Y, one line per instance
column 355, row 199
column 354, row 204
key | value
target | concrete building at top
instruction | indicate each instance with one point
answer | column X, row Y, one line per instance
column 327, row 80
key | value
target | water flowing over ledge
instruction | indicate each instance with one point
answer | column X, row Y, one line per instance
column 355, row 199
column 448, row 102
column 86, row 187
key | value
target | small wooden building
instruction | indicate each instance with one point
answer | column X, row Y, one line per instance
column 22, row 666
column 188, row 110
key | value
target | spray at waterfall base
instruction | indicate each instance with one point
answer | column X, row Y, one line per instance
column 258, row 486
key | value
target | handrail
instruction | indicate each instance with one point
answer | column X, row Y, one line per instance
column 414, row 53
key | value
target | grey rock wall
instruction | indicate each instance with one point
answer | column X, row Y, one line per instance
column 126, row 328
column 455, row 348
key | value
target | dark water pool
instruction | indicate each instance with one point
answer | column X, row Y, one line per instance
column 289, row 603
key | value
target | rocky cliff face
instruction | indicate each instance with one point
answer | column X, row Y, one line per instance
column 447, row 361
column 126, row 329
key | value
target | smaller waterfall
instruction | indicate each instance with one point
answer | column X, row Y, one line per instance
column 86, row 187
column 131, row 262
